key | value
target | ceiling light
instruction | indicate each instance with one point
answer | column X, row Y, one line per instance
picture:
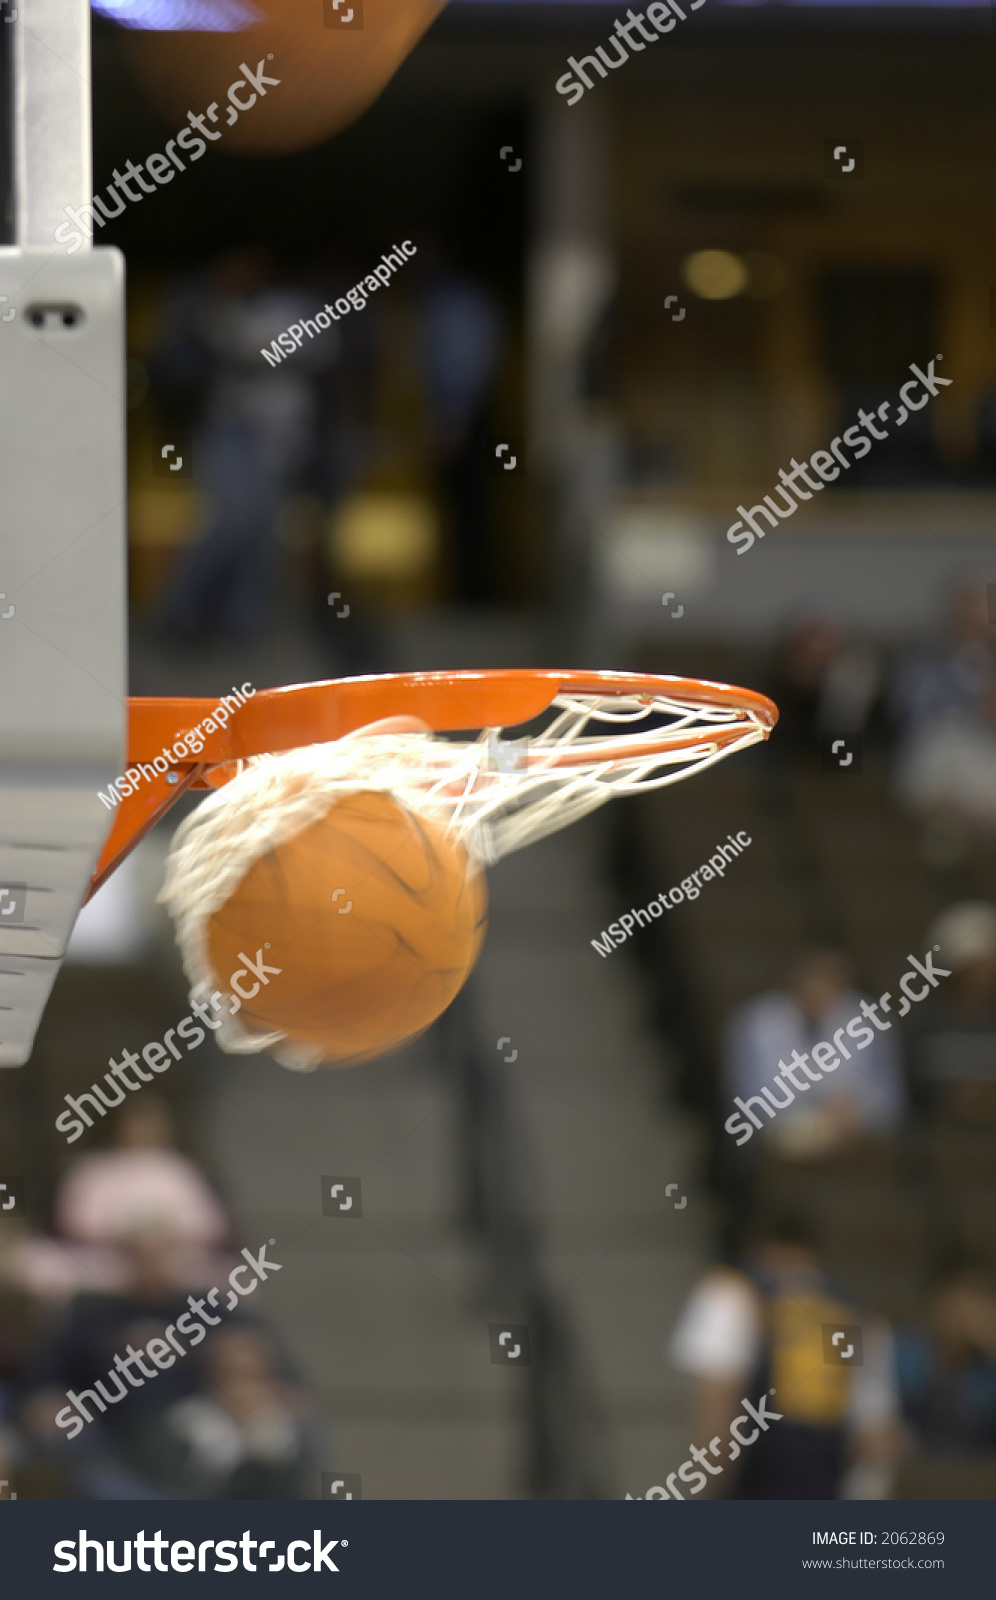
column 715, row 274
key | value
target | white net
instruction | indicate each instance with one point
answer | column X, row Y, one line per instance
column 496, row 795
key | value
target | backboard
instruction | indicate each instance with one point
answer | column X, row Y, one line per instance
column 62, row 519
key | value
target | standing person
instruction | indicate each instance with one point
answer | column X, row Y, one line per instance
column 461, row 336
column 761, row 1329
column 255, row 432
column 351, row 445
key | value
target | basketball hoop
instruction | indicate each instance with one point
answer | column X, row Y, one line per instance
column 674, row 726
column 291, row 757
column 499, row 795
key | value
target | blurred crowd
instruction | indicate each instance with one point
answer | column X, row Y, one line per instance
column 136, row 1235
column 909, row 1122
column 853, row 1396
column 944, row 1069
column 766, row 1314
column 932, row 707
column 135, row 1230
column 318, row 425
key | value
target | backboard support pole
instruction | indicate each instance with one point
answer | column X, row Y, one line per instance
column 63, row 615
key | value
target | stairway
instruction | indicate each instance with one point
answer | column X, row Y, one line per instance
column 388, row 1313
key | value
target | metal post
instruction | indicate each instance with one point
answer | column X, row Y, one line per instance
column 63, row 618
column 6, row 126
column 52, row 122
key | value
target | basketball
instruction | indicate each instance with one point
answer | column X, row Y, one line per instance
column 369, row 921
column 330, row 60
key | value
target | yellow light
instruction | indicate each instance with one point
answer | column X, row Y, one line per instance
column 385, row 536
column 715, row 274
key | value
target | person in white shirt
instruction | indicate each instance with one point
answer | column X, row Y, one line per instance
column 762, row 1329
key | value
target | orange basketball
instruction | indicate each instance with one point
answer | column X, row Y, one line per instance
column 373, row 917
column 328, row 64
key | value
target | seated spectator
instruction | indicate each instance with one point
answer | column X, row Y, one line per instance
column 141, row 1183
column 97, row 1459
column 247, row 1436
column 952, row 1038
column 945, row 703
column 822, row 682
column 216, row 1417
column 760, row 1328
column 947, row 1370
column 864, row 1096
